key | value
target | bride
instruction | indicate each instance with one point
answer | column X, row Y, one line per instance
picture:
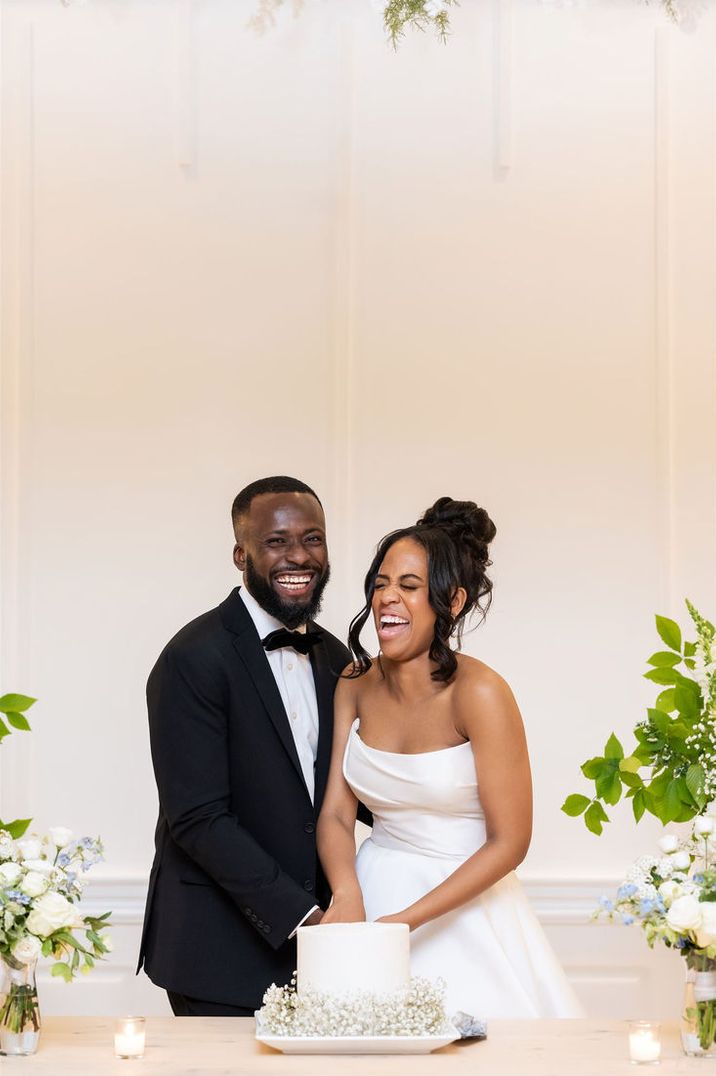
column 432, row 742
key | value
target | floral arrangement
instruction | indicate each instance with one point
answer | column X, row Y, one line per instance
column 675, row 745
column 672, row 897
column 41, row 882
column 418, row 1009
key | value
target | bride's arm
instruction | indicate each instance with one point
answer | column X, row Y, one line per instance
column 487, row 714
column 336, row 824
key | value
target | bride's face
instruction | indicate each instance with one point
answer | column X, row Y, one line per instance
column 404, row 618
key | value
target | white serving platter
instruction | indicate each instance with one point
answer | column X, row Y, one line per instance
column 359, row 1044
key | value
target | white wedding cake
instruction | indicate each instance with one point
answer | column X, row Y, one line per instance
column 340, row 959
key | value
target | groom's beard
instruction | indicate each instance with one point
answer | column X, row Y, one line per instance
column 291, row 614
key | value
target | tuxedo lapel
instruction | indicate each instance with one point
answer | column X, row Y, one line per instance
column 325, row 680
column 248, row 646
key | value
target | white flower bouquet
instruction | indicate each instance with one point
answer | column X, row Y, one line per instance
column 672, row 897
column 41, row 883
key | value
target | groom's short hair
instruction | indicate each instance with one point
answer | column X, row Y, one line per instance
column 276, row 484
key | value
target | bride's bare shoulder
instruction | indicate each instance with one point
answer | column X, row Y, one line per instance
column 479, row 689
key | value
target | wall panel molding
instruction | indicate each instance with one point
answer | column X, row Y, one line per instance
column 663, row 312
column 17, row 249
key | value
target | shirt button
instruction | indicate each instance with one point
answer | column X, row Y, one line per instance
column 294, row 716
column 308, row 885
column 290, row 666
column 309, row 827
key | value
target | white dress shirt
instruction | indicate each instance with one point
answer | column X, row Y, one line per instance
column 294, row 678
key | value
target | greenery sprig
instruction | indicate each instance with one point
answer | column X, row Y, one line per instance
column 675, row 744
column 13, row 706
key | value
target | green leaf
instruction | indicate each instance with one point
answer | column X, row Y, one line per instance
column 666, row 701
column 669, row 631
column 664, row 657
column 630, row 765
column 631, row 780
column 644, row 753
column 46, row 947
column 18, row 722
column 660, row 721
column 594, row 816
column 686, row 702
column 689, row 649
column 613, row 749
column 12, row 703
column 673, row 803
column 662, row 676
column 574, row 805
column 593, row 767
column 4, row 730
column 638, row 805
column 62, row 971
column 695, row 778
column 17, row 828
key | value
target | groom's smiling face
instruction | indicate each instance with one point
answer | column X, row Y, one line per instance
column 281, row 549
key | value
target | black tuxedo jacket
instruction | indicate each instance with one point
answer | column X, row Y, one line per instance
column 235, row 867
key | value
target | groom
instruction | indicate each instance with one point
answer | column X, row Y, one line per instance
column 240, row 720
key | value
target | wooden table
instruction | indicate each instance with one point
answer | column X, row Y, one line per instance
column 78, row 1046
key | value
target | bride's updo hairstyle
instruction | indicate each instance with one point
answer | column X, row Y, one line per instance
column 455, row 536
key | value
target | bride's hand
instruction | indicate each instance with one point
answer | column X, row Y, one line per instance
column 346, row 908
column 397, row 917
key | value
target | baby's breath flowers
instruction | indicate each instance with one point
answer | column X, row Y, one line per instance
column 418, row 1009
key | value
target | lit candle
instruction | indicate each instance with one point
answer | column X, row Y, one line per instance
column 644, row 1043
column 129, row 1037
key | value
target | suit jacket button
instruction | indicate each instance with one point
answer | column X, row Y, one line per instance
column 308, row 885
column 266, row 928
column 254, row 916
column 309, row 828
column 260, row 923
column 247, row 911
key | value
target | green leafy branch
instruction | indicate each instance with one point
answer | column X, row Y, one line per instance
column 675, row 746
column 13, row 707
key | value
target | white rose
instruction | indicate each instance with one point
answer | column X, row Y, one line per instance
column 42, row 866
column 34, row 884
column 7, row 846
column 707, row 933
column 669, row 891
column 9, row 873
column 668, row 843
column 27, row 949
column 29, row 848
column 703, row 826
column 684, row 914
column 51, row 912
column 60, row 836
column 681, row 861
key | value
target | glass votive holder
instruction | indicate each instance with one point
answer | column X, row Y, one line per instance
column 644, row 1042
column 129, row 1037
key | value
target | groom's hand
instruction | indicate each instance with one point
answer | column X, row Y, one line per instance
column 314, row 918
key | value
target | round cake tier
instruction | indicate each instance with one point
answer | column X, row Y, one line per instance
column 344, row 958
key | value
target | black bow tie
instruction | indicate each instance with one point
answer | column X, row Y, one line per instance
column 297, row 640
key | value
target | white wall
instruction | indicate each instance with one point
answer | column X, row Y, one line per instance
column 484, row 269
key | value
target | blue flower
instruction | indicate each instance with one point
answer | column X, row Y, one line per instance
column 627, row 920
column 645, row 907
column 699, row 879
column 628, row 889
column 18, row 897
column 607, row 904
column 680, row 943
column 63, row 859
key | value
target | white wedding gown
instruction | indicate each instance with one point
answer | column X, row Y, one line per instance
column 491, row 952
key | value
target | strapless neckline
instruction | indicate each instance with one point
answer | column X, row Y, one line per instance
column 405, row 754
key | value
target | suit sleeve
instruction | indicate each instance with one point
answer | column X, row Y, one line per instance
column 187, row 700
